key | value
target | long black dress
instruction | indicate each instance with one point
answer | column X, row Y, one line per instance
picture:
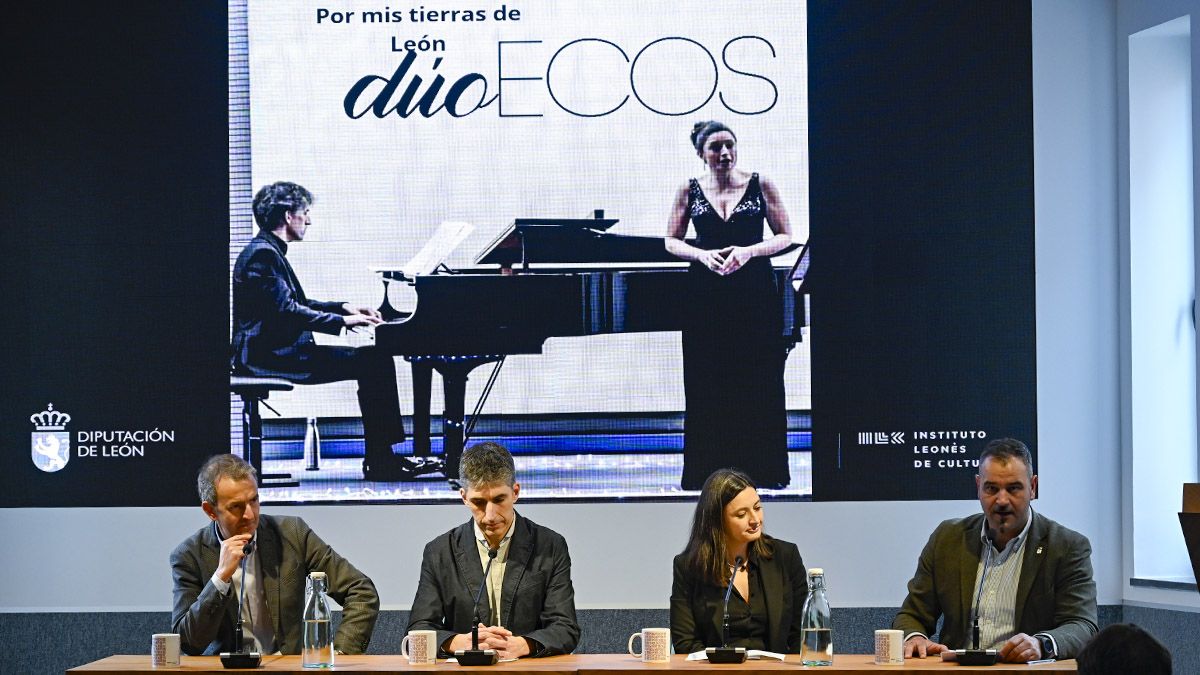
column 734, row 353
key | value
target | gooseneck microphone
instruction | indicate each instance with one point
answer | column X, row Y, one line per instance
column 725, row 653
column 476, row 656
column 987, row 561
column 737, row 564
column 240, row 657
column 238, row 634
column 976, row 656
column 478, row 595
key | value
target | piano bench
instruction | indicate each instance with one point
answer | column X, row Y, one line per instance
column 252, row 391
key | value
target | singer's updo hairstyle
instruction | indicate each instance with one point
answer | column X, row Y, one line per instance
column 702, row 130
column 220, row 466
column 706, row 553
column 486, row 463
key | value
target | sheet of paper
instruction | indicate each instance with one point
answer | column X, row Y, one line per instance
column 750, row 654
column 439, row 247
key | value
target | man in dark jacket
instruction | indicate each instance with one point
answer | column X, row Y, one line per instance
column 274, row 321
column 528, row 603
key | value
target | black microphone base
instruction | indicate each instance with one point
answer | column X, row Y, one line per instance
column 241, row 659
column 726, row 654
column 977, row 657
column 476, row 657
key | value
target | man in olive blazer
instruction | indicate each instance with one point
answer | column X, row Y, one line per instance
column 1054, row 610
column 204, row 567
column 1055, row 595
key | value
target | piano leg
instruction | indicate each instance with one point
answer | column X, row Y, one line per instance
column 422, row 374
column 252, row 436
column 454, row 372
column 454, row 381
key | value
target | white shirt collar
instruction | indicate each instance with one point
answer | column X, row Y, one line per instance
column 482, row 539
column 1015, row 541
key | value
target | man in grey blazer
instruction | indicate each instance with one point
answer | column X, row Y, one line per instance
column 206, row 569
column 527, row 606
column 1038, row 599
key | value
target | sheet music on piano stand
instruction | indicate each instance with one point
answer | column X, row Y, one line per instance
column 445, row 239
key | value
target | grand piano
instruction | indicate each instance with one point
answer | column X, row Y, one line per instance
column 540, row 278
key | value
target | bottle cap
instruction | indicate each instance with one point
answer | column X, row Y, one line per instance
column 816, row 571
column 317, row 575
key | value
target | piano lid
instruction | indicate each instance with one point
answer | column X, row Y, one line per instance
column 599, row 223
column 570, row 240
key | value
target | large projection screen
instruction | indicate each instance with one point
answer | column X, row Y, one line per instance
column 898, row 138
column 404, row 119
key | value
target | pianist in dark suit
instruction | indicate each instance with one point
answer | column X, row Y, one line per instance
column 527, row 602
column 769, row 580
column 274, row 321
column 733, row 346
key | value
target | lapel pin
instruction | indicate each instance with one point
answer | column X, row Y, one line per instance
column 1039, row 551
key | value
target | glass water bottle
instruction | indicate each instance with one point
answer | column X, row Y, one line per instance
column 318, row 638
column 816, row 626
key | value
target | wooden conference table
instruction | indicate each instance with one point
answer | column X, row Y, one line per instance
column 572, row 664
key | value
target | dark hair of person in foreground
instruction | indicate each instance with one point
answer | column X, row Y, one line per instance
column 1124, row 648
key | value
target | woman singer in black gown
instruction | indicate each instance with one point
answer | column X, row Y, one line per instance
column 733, row 346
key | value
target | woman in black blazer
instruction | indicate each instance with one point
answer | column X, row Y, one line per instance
column 770, row 582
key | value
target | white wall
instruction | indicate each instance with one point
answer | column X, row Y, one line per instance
column 1074, row 121
column 1133, row 16
column 116, row 558
column 1162, row 289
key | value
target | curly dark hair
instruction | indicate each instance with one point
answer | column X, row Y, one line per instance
column 277, row 199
